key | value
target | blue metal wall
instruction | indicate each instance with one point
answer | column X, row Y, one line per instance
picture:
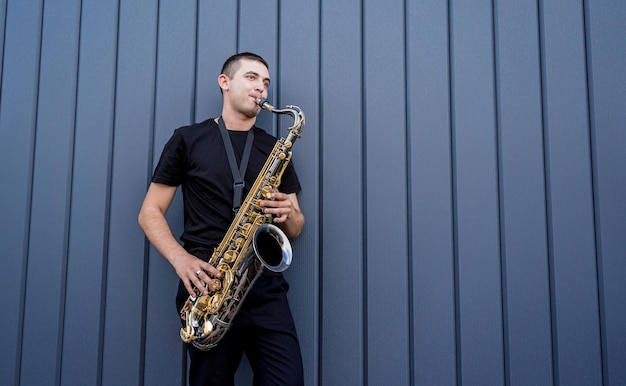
column 464, row 183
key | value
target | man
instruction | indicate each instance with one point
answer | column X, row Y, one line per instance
column 196, row 159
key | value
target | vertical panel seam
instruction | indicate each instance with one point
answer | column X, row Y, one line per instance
column 500, row 193
column 364, row 193
column 151, row 151
column 548, row 194
column 238, row 23
column 68, row 210
column 595, row 191
column 409, row 202
column 194, row 89
column 277, row 122
column 320, row 209
column 454, row 208
column 4, row 40
column 29, row 200
column 107, row 208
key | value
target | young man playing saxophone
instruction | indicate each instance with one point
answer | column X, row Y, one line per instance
column 196, row 159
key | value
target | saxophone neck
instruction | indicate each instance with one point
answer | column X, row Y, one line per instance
column 294, row 111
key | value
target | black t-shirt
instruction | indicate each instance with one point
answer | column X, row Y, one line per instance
column 195, row 159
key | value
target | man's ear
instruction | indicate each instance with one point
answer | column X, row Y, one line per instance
column 223, row 82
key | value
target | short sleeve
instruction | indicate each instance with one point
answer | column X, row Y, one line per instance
column 171, row 167
column 290, row 183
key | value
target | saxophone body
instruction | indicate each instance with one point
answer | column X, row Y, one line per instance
column 251, row 244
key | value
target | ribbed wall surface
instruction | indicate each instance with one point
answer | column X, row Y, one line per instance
column 463, row 168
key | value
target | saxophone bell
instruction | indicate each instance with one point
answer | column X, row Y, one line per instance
column 272, row 247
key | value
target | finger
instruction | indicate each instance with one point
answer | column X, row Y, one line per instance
column 278, row 214
column 277, row 206
column 211, row 270
column 276, row 200
column 197, row 282
column 189, row 288
column 205, row 278
column 278, row 196
column 280, row 218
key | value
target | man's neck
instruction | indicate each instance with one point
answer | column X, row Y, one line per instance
column 237, row 122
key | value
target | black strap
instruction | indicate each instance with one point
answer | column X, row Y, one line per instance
column 238, row 173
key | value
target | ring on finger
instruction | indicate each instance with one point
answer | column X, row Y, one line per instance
column 198, row 272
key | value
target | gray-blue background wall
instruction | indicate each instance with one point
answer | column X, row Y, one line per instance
column 463, row 168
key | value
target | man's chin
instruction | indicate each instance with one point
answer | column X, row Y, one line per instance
column 252, row 113
column 256, row 109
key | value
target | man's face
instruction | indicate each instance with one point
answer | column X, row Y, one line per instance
column 249, row 83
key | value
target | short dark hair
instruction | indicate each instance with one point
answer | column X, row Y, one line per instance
column 231, row 65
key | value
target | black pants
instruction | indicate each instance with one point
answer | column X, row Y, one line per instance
column 273, row 355
column 263, row 329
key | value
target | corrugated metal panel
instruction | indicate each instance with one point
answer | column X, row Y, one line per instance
column 606, row 31
column 575, row 325
column 342, row 343
column 127, row 264
column 385, row 194
column 45, row 281
column 18, row 120
column 88, row 232
column 462, row 173
column 523, row 197
column 432, row 265
column 475, row 194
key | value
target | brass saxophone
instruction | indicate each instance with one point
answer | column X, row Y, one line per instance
column 251, row 244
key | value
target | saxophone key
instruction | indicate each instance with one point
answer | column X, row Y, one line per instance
column 239, row 242
column 230, row 256
column 207, row 328
column 245, row 229
column 202, row 303
column 216, row 286
column 186, row 334
column 215, row 304
column 266, row 192
column 257, row 207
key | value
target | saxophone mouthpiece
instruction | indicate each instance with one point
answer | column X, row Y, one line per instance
column 264, row 104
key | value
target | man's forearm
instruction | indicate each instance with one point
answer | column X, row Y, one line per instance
column 293, row 225
column 158, row 232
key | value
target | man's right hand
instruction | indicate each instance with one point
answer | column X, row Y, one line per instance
column 194, row 272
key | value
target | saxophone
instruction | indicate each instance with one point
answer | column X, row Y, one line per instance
column 251, row 244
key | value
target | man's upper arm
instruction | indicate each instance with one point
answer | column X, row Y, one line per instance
column 159, row 196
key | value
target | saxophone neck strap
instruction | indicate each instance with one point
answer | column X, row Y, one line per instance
column 238, row 173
